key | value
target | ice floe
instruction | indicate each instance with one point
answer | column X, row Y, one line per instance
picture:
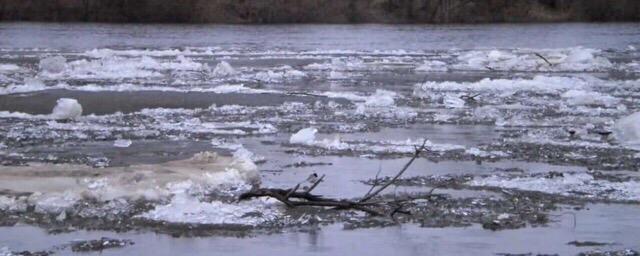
column 35, row 85
column 568, row 59
column 581, row 97
column 116, row 67
column 9, row 68
column 66, row 109
column 195, row 125
column 381, row 98
column 106, row 52
column 57, row 188
column 384, row 147
column 29, row 85
column 304, row 136
column 453, row 101
column 433, row 65
column 223, row 69
column 184, row 208
column 627, row 130
column 539, row 83
column 121, row 143
column 280, row 74
column 53, row 65
column 569, row 184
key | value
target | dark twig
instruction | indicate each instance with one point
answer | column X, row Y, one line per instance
column 375, row 181
column 543, row 58
column 315, row 184
column 399, row 210
column 470, row 97
column 291, row 191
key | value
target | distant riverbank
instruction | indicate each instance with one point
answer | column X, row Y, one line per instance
column 319, row 11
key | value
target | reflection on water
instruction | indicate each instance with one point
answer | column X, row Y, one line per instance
column 324, row 37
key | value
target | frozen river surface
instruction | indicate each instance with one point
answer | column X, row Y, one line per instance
column 101, row 127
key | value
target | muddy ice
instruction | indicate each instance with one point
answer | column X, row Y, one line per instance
column 530, row 148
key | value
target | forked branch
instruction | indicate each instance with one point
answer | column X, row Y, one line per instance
column 293, row 198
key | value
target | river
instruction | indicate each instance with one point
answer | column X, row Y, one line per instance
column 523, row 107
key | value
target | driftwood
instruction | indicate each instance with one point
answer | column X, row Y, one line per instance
column 294, row 198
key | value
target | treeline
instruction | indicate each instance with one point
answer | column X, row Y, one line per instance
column 320, row 11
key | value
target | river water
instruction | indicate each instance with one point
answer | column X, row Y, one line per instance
column 538, row 98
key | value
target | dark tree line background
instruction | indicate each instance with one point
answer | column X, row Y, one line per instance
column 320, row 11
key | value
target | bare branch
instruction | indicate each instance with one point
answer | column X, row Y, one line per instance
column 315, row 184
column 375, row 181
column 393, row 180
column 399, row 210
column 293, row 198
column 291, row 191
column 543, row 58
column 470, row 97
column 311, row 200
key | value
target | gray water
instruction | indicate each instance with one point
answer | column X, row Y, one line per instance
column 79, row 36
column 400, row 240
